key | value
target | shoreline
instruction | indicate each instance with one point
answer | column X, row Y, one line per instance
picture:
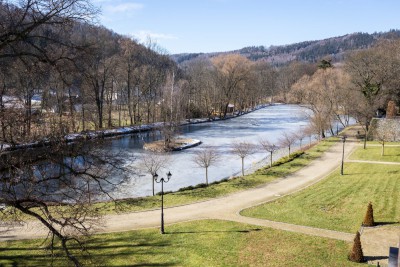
column 126, row 130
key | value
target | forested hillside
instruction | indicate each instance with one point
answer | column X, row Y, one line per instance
column 307, row 51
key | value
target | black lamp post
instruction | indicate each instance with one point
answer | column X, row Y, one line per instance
column 343, row 140
column 162, row 181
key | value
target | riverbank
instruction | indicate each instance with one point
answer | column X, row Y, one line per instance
column 109, row 133
column 224, row 200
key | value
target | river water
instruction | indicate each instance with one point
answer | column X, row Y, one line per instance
column 267, row 123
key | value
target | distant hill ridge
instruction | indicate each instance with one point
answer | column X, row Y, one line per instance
column 309, row 51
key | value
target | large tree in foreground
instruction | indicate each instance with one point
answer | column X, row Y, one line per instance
column 37, row 28
column 59, row 191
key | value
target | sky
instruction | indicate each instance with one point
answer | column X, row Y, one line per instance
column 195, row 26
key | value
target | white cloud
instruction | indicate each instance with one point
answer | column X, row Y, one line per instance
column 121, row 8
column 143, row 36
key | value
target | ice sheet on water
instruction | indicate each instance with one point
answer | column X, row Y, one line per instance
column 273, row 121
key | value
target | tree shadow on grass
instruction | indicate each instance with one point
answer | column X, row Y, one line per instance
column 215, row 231
column 101, row 253
column 385, row 223
column 148, row 264
column 375, row 258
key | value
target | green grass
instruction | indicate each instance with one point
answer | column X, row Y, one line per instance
column 281, row 168
column 378, row 143
column 201, row 243
column 340, row 202
column 374, row 153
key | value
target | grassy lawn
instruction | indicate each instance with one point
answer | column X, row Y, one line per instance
column 281, row 168
column 340, row 202
column 392, row 154
column 261, row 176
column 201, row 243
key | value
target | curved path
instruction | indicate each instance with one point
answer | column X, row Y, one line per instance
column 374, row 162
column 223, row 208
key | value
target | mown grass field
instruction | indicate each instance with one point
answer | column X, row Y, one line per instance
column 340, row 202
column 201, row 193
column 202, row 243
column 374, row 153
column 282, row 167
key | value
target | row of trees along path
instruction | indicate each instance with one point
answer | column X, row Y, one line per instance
column 225, row 208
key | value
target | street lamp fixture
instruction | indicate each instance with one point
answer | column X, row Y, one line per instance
column 344, row 141
column 162, row 181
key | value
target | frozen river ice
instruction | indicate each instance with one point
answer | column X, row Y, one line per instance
column 268, row 123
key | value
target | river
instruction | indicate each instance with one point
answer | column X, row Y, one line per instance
column 268, row 123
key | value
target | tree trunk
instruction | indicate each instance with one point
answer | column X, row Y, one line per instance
column 83, row 117
column 242, row 167
column 365, row 139
column 271, row 160
column 152, row 178
column 71, row 110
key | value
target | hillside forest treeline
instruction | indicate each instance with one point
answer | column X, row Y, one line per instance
column 60, row 73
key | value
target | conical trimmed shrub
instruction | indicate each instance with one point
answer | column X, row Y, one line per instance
column 356, row 253
column 369, row 216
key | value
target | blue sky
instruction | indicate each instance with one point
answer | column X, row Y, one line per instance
column 180, row 26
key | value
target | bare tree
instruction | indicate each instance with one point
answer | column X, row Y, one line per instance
column 232, row 72
column 205, row 158
column 153, row 162
column 385, row 131
column 309, row 131
column 59, row 192
column 243, row 149
column 287, row 140
column 372, row 72
column 269, row 147
column 29, row 28
column 327, row 95
column 300, row 135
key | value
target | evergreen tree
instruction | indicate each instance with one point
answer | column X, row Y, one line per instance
column 369, row 217
column 356, row 253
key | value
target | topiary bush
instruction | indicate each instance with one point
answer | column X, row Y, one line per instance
column 356, row 253
column 369, row 217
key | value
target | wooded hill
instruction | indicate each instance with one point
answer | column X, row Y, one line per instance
column 307, row 51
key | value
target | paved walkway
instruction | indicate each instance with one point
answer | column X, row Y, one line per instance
column 223, row 208
column 373, row 162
